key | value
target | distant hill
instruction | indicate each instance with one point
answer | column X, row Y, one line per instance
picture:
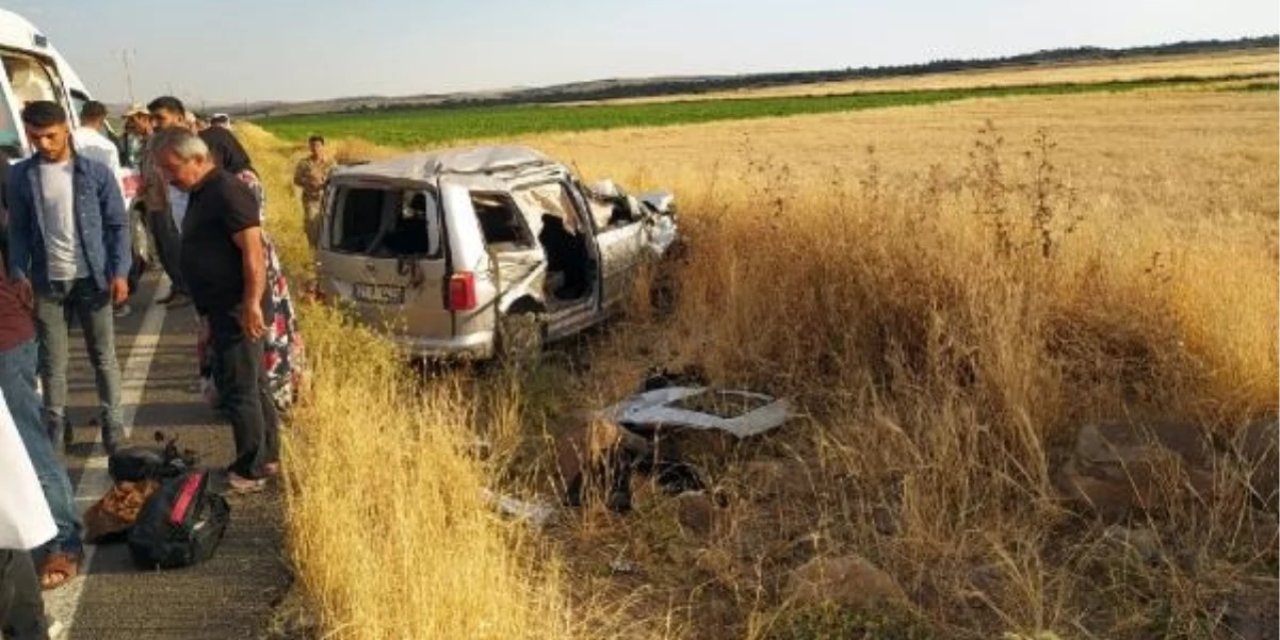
column 612, row 88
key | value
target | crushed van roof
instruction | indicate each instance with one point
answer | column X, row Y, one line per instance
column 464, row 160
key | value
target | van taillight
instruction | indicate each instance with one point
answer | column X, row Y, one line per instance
column 462, row 291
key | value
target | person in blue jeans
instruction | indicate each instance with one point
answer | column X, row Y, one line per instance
column 69, row 245
column 59, row 558
column 25, row 523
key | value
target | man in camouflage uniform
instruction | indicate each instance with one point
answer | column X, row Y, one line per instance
column 310, row 176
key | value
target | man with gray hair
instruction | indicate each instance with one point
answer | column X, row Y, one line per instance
column 224, row 264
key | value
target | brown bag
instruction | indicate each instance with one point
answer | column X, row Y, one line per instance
column 116, row 512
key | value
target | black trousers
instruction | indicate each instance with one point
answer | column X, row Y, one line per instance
column 21, row 607
column 244, row 394
column 169, row 246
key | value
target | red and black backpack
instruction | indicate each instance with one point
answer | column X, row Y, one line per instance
column 180, row 525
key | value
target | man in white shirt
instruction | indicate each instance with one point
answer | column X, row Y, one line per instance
column 92, row 144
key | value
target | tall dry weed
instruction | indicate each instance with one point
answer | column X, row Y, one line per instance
column 949, row 336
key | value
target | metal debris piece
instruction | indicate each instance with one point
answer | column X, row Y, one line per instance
column 741, row 413
column 535, row 512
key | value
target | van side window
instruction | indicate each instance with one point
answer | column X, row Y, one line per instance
column 30, row 79
column 500, row 221
column 549, row 199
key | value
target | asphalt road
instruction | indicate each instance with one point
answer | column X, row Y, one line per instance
column 231, row 595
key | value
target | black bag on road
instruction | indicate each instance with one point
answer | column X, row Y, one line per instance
column 138, row 463
column 180, row 525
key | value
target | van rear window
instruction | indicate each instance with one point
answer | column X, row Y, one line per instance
column 384, row 222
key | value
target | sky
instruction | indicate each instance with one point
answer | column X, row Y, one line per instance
column 229, row 51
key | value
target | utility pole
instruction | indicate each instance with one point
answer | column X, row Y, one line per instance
column 125, row 54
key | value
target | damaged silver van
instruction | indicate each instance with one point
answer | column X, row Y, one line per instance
column 483, row 251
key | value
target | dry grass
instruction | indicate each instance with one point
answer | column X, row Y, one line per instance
column 388, row 525
column 1189, row 66
column 945, row 373
column 947, row 309
column 1178, row 185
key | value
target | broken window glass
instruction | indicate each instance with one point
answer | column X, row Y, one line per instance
column 500, row 222
column 386, row 223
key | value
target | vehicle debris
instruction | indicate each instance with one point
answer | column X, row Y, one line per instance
column 740, row 413
column 622, row 565
column 600, row 451
column 536, row 512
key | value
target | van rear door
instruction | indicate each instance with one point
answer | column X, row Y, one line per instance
column 382, row 253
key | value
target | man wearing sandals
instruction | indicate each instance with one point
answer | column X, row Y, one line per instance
column 224, row 264
column 60, row 556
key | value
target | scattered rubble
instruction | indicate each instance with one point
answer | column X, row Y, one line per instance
column 1142, row 544
column 594, row 457
column 622, row 565
column 696, row 512
column 849, row 581
column 1253, row 614
column 1119, row 468
column 536, row 512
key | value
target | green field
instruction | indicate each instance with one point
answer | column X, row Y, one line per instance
column 434, row 125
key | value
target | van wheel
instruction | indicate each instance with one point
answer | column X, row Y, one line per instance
column 520, row 338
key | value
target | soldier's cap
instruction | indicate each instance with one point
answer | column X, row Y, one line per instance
column 136, row 110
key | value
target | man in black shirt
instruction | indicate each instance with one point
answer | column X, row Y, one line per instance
column 224, row 263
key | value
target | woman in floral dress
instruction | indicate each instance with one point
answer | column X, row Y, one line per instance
column 282, row 349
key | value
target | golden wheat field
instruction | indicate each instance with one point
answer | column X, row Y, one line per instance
column 1185, row 66
column 948, row 294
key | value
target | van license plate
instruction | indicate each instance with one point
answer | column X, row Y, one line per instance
column 378, row 293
